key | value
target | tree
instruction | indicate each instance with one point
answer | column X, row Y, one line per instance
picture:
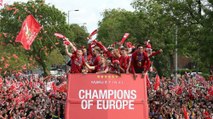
column 52, row 20
column 12, row 61
column 79, row 35
column 190, row 18
column 115, row 23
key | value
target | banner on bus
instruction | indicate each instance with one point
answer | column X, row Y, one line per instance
column 106, row 96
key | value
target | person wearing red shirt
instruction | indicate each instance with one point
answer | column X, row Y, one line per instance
column 106, row 52
column 116, row 55
column 101, row 68
column 95, row 55
column 139, row 60
column 94, row 52
column 124, row 60
column 77, row 58
column 87, row 56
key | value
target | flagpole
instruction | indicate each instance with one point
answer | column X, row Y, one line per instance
column 176, row 54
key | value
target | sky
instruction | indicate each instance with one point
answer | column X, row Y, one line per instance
column 89, row 10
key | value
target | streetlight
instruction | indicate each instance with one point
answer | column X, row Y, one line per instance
column 176, row 53
column 68, row 15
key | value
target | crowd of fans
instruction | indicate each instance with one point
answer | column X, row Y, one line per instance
column 32, row 97
column 39, row 98
column 193, row 93
column 191, row 96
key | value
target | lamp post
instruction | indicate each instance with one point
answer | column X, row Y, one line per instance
column 176, row 54
column 68, row 14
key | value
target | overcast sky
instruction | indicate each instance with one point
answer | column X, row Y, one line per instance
column 89, row 10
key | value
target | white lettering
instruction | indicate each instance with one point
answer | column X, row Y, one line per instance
column 84, row 104
column 115, row 104
column 80, row 94
column 108, row 99
column 133, row 94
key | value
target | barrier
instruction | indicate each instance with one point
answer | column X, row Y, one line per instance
column 106, row 96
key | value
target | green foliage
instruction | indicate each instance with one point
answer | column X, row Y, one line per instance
column 51, row 19
column 158, row 20
column 79, row 36
column 55, row 58
column 114, row 24
column 12, row 61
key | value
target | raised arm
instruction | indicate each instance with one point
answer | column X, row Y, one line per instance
column 156, row 53
column 67, row 51
column 102, row 47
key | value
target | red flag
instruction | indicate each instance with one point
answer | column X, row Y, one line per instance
column 29, row 31
column 157, row 82
column 62, row 87
column 185, row 113
column 124, row 38
column 93, row 33
column 147, row 81
column 178, row 89
column 54, row 87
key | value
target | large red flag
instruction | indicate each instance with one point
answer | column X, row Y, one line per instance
column 29, row 31
column 124, row 38
column 157, row 82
